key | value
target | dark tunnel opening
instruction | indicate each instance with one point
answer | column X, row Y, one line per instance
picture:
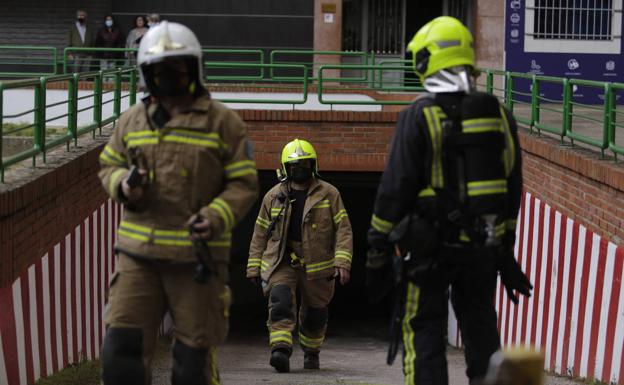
column 350, row 303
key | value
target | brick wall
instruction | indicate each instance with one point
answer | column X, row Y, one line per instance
column 577, row 183
column 345, row 140
column 38, row 214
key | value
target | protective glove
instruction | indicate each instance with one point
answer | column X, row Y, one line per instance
column 511, row 274
column 379, row 272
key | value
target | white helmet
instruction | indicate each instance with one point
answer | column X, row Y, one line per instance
column 169, row 40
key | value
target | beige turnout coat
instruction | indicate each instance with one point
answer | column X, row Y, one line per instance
column 326, row 232
column 199, row 162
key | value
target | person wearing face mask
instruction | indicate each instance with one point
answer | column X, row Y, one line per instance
column 302, row 240
column 153, row 19
column 134, row 37
column 110, row 36
column 80, row 36
column 193, row 178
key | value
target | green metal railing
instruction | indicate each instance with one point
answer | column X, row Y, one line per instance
column 41, row 130
column 288, row 81
column 33, row 61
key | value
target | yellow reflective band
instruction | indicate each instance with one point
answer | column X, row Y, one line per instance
column 341, row 214
column 172, row 238
column 499, row 230
column 488, row 187
column 463, row 236
column 310, row 342
column 254, row 262
column 129, row 234
column 210, row 140
column 411, row 310
column 214, row 372
column 275, row 211
column 428, row 192
column 265, row 265
column 219, row 243
column 433, row 116
column 263, row 223
column 381, row 225
column 344, row 255
column 138, row 138
column 223, row 208
column 109, row 156
column 315, row 267
column 114, row 180
column 509, row 154
column 280, row 336
column 242, row 168
column 136, row 232
column 477, row 126
column 138, row 228
column 322, row 204
column 511, row 224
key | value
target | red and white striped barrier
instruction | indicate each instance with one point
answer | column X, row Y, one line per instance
column 576, row 313
column 52, row 314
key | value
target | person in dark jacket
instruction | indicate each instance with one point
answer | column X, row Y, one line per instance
column 110, row 36
column 454, row 176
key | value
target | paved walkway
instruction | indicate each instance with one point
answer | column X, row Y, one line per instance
column 346, row 359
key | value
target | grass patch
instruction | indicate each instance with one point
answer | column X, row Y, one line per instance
column 27, row 130
column 85, row 373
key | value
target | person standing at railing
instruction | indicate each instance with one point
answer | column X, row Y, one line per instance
column 454, row 176
column 134, row 38
column 110, row 36
column 153, row 19
column 193, row 178
column 80, row 36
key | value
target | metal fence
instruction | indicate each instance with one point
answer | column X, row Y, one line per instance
column 288, row 79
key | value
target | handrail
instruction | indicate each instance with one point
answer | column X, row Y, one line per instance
column 47, row 57
column 41, row 141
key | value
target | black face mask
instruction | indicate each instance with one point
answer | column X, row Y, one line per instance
column 300, row 174
column 169, row 85
column 81, row 20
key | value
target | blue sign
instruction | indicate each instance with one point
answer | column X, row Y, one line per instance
column 589, row 66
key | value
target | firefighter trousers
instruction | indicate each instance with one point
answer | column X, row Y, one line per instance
column 472, row 290
column 140, row 293
column 313, row 312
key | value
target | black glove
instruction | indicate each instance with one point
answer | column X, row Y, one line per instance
column 379, row 274
column 511, row 274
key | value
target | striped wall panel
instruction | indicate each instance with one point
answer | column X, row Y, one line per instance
column 576, row 314
column 52, row 314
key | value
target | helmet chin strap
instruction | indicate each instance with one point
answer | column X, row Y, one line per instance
column 454, row 79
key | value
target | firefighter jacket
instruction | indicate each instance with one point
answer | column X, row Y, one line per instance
column 326, row 232
column 200, row 161
column 416, row 165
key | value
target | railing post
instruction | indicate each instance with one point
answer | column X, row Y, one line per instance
column 1, row 131
column 65, row 54
column 117, row 95
column 489, row 82
column 606, row 118
column 567, row 109
column 534, row 100
column 97, row 100
column 509, row 91
column 37, row 122
column 55, row 58
column 132, row 89
column 72, row 108
column 43, row 81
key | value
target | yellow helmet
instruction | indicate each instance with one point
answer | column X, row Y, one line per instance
column 443, row 42
column 297, row 150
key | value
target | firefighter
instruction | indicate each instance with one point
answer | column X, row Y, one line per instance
column 302, row 240
column 454, row 172
column 181, row 163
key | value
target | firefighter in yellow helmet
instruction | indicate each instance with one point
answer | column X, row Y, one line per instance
column 449, row 197
column 181, row 164
column 302, row 240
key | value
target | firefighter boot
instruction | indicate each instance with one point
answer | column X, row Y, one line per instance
column 311, row 361
column 280, row 360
